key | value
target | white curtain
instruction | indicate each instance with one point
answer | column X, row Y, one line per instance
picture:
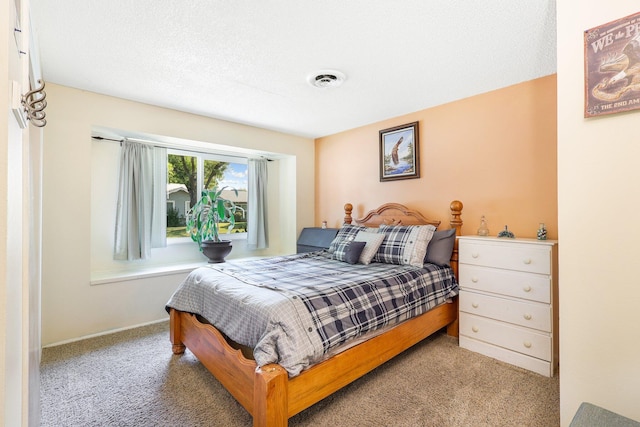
column 159, row 204
column 257, row 236
column 141, row 201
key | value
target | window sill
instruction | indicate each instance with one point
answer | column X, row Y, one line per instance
column 103, row 278
column 106, row 277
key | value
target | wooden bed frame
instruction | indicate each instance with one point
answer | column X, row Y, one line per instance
column 267, row 392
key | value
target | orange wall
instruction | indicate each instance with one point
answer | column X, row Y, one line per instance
column 495, row 152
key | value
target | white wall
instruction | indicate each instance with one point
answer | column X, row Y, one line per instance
column 598, row 202
column 73, row 308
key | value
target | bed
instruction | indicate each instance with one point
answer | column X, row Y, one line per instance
column 274, row 392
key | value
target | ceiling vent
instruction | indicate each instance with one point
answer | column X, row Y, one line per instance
column 326, row 79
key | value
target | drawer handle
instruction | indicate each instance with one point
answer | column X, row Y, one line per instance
column 527, row 316
column 527, row 288
column 474, row 304
column 527, row 261
column 527, row 344
column 474, row 279
column 475, row 255
column 475, row 329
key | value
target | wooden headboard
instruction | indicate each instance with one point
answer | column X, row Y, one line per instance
column 397, row 214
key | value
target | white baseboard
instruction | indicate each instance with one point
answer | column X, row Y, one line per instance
column 112, row 331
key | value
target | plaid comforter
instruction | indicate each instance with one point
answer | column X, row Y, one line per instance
column 293, row 310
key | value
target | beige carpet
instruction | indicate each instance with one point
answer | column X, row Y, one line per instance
column 131, row 378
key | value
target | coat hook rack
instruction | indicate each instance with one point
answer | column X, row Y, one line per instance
column 34, row 104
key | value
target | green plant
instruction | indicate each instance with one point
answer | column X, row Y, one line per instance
column 204, row 218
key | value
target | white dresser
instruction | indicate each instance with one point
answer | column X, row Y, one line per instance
column 508, row 300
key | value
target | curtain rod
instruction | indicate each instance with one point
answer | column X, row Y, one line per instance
column 162, row 145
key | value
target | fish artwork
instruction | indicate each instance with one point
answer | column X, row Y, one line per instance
column 394, row 151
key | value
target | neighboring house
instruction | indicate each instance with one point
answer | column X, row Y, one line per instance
column 178, row 199
column 240, row 201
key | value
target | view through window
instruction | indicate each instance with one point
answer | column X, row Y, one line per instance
column 188, row 173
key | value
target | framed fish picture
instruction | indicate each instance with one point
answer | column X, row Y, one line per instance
column 399, row 153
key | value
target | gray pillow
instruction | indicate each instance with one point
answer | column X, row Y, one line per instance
column 348, row 251
column 353, row 251
column 440, row 247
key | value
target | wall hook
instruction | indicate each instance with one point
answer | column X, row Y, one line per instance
column 34, row 104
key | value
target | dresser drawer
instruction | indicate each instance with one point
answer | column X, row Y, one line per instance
column 508, row 255
column 528, row 314
column 530, row 286
column 522, row 340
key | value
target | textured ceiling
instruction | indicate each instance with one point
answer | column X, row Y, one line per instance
column 248, row 61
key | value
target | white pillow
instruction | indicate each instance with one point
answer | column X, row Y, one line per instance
column 373, row 241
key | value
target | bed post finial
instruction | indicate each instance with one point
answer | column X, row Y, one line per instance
column 456, row 212
column 348, row 208
column 456, row 222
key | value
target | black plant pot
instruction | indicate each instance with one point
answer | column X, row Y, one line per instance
column 216, row 251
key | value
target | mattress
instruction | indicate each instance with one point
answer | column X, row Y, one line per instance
column 294, row 310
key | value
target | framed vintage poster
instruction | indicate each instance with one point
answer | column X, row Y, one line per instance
column 399, row 153
column 612, row 67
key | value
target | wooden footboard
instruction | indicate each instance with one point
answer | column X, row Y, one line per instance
column 267, row 393
column 323, row 379
column 227, row 364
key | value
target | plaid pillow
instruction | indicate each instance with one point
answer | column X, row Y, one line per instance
column 404, row 244
column 346, row 233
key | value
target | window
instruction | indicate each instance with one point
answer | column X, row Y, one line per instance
column 190, row 172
